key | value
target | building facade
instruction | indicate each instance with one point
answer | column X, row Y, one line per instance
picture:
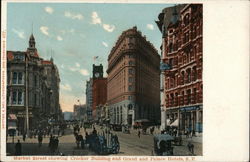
column 80, row 112
column 28, row 88
column 133, row 80
column 182, row 53
column 99, row 92
column 89, row 98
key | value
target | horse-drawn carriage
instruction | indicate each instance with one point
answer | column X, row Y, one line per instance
column 163, row 145
column 103, row 144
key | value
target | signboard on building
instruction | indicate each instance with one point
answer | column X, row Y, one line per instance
column 165, row 66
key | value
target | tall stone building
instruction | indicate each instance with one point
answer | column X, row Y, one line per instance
column 52, row 80
column 182, row 54
column 89, row 98
column 99, row 91
column 29, row 88
column 133, row 80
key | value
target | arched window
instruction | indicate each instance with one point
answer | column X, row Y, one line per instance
column 188, row 75
column 194, row 74
column 186, row 19
column 182, row 77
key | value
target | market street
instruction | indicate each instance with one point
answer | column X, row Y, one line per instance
column 130, row 145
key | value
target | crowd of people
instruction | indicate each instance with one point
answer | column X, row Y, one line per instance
column 50, row 131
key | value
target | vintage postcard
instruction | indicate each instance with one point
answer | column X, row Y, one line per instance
column 115, row 81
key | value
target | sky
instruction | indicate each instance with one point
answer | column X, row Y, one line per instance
column 74, row 33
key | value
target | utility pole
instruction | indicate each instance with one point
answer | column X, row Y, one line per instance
column 162, row 86
column 26, row 95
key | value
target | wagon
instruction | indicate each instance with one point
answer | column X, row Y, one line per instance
column 104, row 144
column 163, row 145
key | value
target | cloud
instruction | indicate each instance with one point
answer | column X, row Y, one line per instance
column 109, row 28
column 62, row 66
column 73, row 15
column 95, row 18
column 59, row 38
column 49, row 10
column 105, row 44
column 72, row 30
column 66, row 87
column 73, row 69
column 77, row 64
column 84, row 72
column 44, row 30
column 20, row 34
column 150, row 26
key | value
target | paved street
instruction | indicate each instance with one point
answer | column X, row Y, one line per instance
column 130, row 144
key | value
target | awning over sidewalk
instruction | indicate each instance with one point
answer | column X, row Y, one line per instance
column 168, row 122
column 175, row 123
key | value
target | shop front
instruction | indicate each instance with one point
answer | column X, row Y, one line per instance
column 191, row 119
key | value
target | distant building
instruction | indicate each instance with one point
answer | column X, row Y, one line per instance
column 133, row 80
column 52, row 80
column 79, row 112
column 27, row 72
column 182, row 97
column 99, row 91
column 89, row 98
column 68, row 115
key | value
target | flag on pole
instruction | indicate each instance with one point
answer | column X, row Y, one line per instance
column 95, row 57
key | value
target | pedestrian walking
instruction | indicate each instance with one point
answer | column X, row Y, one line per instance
column 18, row 148
column 139, row 133
column 24, row 136
column 58, row 133
column 56, row 143
column 40, row 139
column 94, row 131
column 190, row 147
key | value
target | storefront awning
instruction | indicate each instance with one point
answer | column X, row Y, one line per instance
column 175, row 123
column 168, row 122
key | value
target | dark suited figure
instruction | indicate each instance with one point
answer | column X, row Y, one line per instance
column 18, row 148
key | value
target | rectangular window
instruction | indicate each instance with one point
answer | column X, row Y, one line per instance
column 14, row 97
column 8, row 96
column 130, row 79
column 17, row 78
column 130, row 71
column 20, row 78
column 14, row 78
column 8, row 77
column 35, row 80
column 130, row 88
column 35, row 100
column 20, row 98
column 17, row 97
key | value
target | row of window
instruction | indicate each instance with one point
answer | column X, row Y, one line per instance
column 18, row 78
column 186, row 77
column 16, row 97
